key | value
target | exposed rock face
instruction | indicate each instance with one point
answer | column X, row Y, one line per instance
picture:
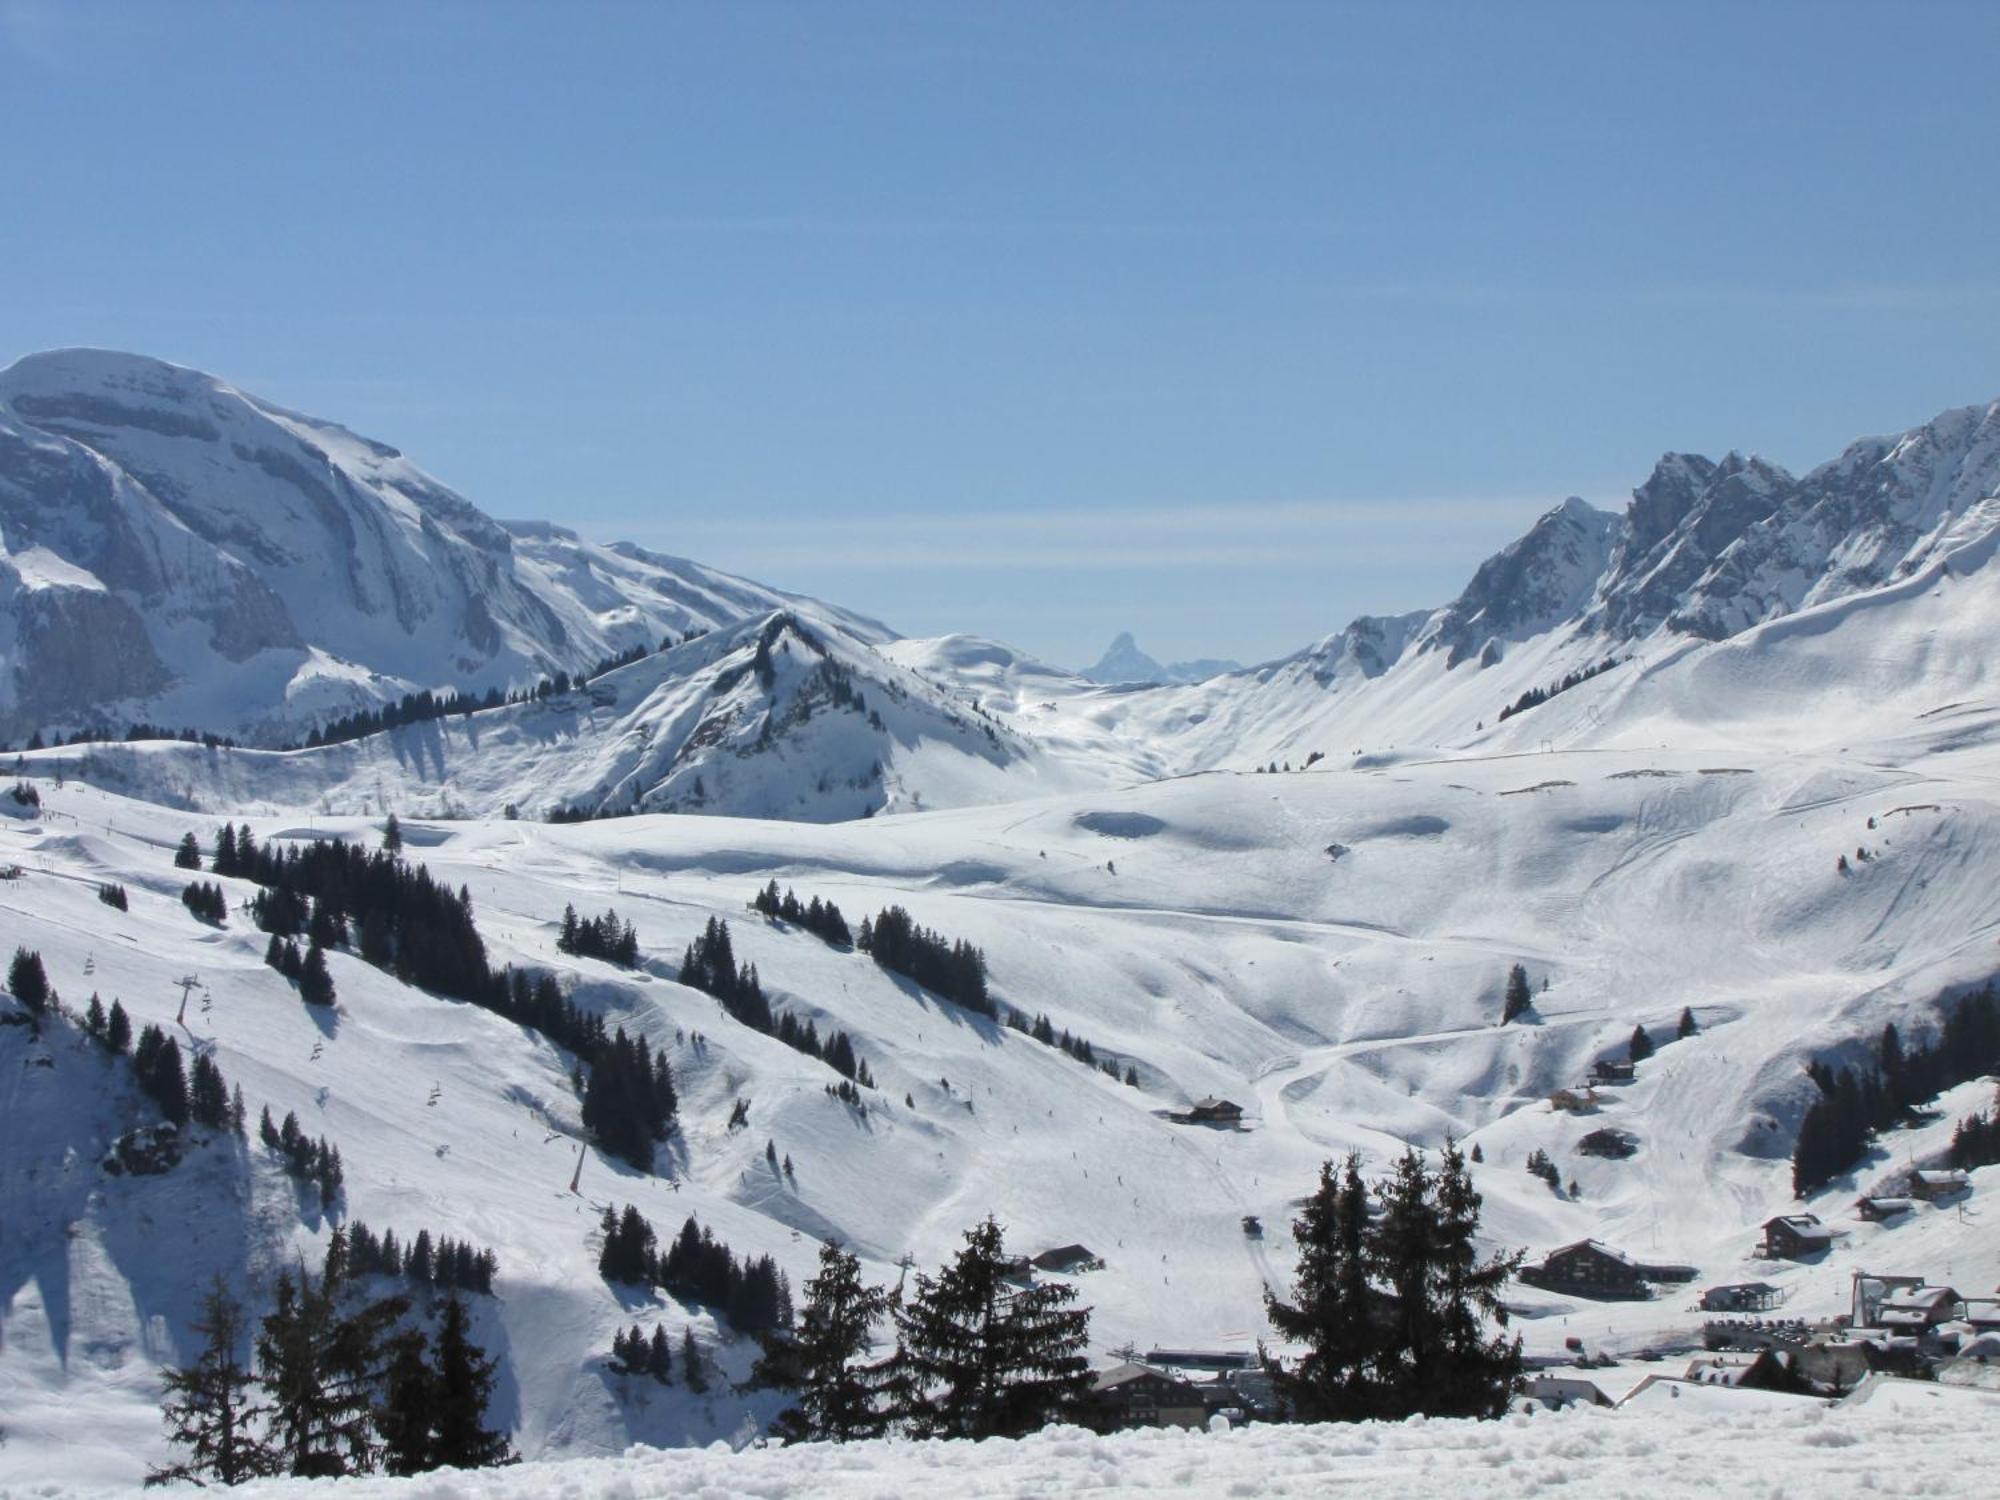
column 1708, row 549
column 1534, row 583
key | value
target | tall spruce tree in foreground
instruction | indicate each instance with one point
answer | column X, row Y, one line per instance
column 406, row 1419
column 320, row 1360
column 840, row 1397
column 1393, row 1309
column 982, row 1356
column 209, row 1410
column 462, row 1380
column 1333, row 1311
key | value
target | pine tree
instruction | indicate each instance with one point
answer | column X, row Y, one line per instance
column 118, row 1028
column 188, row 855
column 1642, row 1045
column 840, row 1398
column 694, row 1369
column 319, row 1363
column 392, row 835
column 208, row 1095
column 660, row 1355
column 1333, row 1311
column 1475, row 1374
column 315, row 979
column 983, row 1357
column 28, row 981
column 1419, row 1343
column 405, row 1418
column 463, row 1382
column 94, row 1020
column 1687, row 1026
column 208, row 1409
column 1519, row 997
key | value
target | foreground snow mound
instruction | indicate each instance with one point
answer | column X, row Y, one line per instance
column 1930, row 1443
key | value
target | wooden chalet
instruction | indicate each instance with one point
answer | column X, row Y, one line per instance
column 1765, row 1370
column 1569, row 1101
column 1590, row 1269
column 1881, row 1210
column 1133, row 1395
column 1608, row 1142
column 1794, row 1237
column 1214, row 1111
column 1931, row 1185
column 1741, row 1296
column 1918, row 1309
column 1605, row 1070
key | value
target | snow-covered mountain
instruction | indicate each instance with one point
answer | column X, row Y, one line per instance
column 1705, row 557
column 176, row 551
column 777, row 717
column 1800, row 670
column 1124, row 662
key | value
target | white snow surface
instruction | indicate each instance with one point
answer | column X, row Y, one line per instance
column 1908, row 1440
column 1198, row 930
column 1326, row 947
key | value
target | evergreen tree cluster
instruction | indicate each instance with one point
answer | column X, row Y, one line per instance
column 821, row 918
column 1043, row 1030
column 1541, row 1165
column 709, row 965
column 25, row 794
column 629, row 1103
column 602, row 937
column 304, row 1158
column 1391, row 1300
column 408, row 924
column 633, row 1353
column 161, row 1075
column 955, row 970
column 420, row 708
column 112, row 1029
column 1853, row 1104
column 205, row 899
column 113, row 894
column 979, row 1351
column 1535, row 697
column 1976, row 1141
column 342, row 1384
column 101, row 734
column 28, row 981
column 308, row 970
column 752, row 1294
column 442, row 1262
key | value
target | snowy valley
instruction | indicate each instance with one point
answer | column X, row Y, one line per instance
column 1746, row 773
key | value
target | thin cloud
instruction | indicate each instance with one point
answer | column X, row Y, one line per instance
column 1247, row 535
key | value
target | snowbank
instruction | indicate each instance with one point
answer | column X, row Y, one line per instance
column 1927, row 1442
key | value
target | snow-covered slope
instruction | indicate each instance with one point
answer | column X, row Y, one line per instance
column 1708, row 558
column 174, row 550
column 778, row 717
column 1327, row 948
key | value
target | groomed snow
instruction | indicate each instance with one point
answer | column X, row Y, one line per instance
column 1928, row 1442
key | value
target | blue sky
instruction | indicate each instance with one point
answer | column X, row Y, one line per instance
column 1221, row 323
